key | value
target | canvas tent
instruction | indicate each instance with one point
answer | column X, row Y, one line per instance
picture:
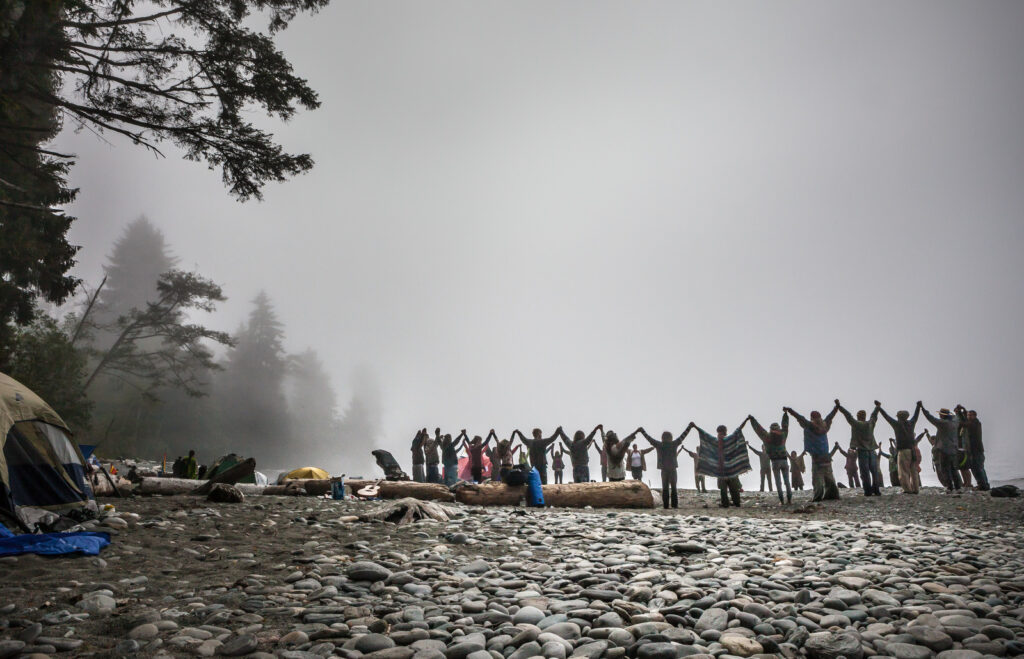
column 42, row 472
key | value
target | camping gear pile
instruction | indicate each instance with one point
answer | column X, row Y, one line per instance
column 43, row 484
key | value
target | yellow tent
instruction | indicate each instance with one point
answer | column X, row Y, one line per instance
column 307, row 472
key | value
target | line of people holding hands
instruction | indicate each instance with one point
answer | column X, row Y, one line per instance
column 957, row 443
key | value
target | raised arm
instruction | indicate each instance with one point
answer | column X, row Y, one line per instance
column 650, row 440
column 928, row 415
column 492, row 434
column 679, row 440
column 831, row 415
column 796, row 415
column 917, row 410
column 756, row 452
column 758, row 428
column 593, row 432
column 845, row 412
column 692, row 454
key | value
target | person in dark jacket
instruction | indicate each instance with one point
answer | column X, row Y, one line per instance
column 903, row 429
column 476, row 450
column 418, row 459
column 432, row 455
column 538, row 450
column 668, row 463
column 774, row 440
column 823, row 481
column 579, row 452
column 862, row 447
column 947, row 431
column 450, row 457
column 975, row 448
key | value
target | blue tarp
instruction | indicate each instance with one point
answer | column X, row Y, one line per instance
column 52, row 544
column 86, row 450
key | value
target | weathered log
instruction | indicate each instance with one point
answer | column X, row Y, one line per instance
column 173, row 486
column 402, row 489
column 229, row 476
column 619, row 494
column 105, row 486
column 387, row 489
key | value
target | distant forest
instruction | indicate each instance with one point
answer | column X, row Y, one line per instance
column 134, row 369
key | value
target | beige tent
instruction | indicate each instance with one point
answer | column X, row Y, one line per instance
column 42, row 471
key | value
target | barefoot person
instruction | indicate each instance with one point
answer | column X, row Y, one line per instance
column 823, row 481
column 774, row 440
column 668, row 463
column 724, row 457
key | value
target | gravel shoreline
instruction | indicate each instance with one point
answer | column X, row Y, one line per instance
column 899, row 576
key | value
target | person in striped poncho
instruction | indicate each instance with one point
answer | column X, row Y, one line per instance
column 724, row 457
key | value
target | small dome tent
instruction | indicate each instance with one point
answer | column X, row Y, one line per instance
column 42, row 471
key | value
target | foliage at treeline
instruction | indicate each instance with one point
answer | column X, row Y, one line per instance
column 132, row 370
column 186, row 72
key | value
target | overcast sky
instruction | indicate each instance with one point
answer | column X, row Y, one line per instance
column 564, row 213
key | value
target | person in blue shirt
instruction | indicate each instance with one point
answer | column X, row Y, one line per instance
column 823, row 481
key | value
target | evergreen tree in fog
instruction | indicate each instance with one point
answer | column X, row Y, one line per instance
column 250, row 392
column 360, row 427
column 312, row 403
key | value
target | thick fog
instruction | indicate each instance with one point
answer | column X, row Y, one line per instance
column 646, row 213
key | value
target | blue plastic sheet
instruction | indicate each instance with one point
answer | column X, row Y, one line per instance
column 52, row 544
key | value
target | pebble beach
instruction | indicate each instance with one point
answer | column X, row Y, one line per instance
column 910, row 577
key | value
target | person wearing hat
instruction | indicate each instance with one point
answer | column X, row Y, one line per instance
column 947, row 430
column 903, row 428
column 823, row 481
column 975, row 449
column 774, row 440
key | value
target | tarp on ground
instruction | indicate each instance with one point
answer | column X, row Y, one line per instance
column 307, row 472
column 42, row 472
column 466, row 474
column 52, row 544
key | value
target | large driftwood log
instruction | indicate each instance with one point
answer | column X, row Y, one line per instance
column 229, row 476
column 172, row 486
column 620, row 494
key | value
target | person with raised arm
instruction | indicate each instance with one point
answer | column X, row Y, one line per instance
column 947, row 431
column 579, row 452
column 504, row 454
column 538, row 449
column 638, row 462
column 797, row 467
column 903, row 433
column 450, row 457
column 765, row 467
column 774, row 440
column 698, row 478
column 616, row 450
column 724, row 457
column 975, row 449
column 862, row 449
column 823, row 481
column 433, row 458
column 668, row 463
column 476, row 450
column 557, row 462
column 418, row 460
column 851, row 464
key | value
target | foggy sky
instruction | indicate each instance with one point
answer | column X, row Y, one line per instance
column 564, row 213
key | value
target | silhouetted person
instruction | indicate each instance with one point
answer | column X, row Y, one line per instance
column 418, row 460
column 698, row 478
column 668, row 463
column 433, row 458
column 387, row 462
column 975, row 449
column 476, row 457
column 903, row 431
column 862, row 448
column 731, row 451
column 537, row 447
column 579, row 453
column 947, row 430
column 797, row 468
column 450, row 457
column 774, row 440
column 616, row 450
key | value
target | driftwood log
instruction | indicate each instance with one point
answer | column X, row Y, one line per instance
column 619, row 494
column 173, row 486
column 229, row 476
column 402, row 489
